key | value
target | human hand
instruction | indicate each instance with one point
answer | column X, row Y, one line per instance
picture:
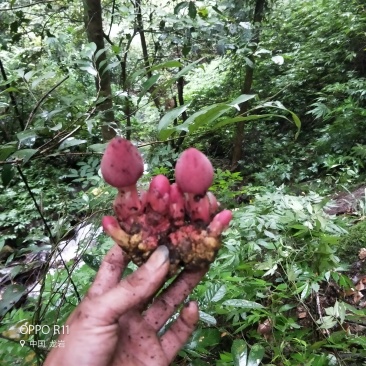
column 113, row 324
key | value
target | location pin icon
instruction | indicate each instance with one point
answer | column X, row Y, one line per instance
column 22, row 343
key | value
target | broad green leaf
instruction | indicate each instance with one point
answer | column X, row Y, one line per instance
column 135, row 75
column 255, row 355
column 27, row 135
column 241, row 99
column 111, row 66
column 90, row 69
column 147, row 85
column 6, row 150
column 187, row 69
column 207, row 318
column 11, row 89
column 46, row 76
column 180, row 6
column 192, row 11
column 202, row 12
column 71, row 141
column 98, row 147
column 186, row 49
column 7, row 174
column 89, row 50
column 242, row 304
column 166, row 65
column 2, row 243
column 203, row 338
column 56, row 127
column 219, row 294
column 278, row 60
column 18, row 330
column 170, row 116
column 239, row 350
column 249, row 62
column 203, row 117
column 279, row 105
column 116, row 49
column 98, row 53
column 10, row 297
column 164, row 134
column 28, row 75
column 24, row 154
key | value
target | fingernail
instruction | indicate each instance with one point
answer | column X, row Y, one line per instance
column 159, row 257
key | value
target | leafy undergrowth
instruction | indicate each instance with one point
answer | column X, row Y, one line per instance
column 278, row 293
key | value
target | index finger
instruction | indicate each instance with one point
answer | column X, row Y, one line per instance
column 110, row 272
column 133, row 289
column 165, row 305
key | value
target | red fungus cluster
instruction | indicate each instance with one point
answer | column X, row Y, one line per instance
column 183, row 215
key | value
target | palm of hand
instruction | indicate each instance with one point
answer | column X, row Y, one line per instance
column 113, row 326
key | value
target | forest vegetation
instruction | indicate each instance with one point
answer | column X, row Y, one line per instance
column 272, row 91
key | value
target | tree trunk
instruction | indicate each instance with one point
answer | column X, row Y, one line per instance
column 145, row 53
column 94, row 30
column 246, row 87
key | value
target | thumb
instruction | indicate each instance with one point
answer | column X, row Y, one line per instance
column 135, row 289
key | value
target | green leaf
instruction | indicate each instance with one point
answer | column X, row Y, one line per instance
column 28, row 75
column 135, row 75
column 89, row 50
column 166, row 65
column 207, row 318
column 90, row 69
column 187, row 69
column 116, row 49
column 202, row 12
column 7, row 174
column 242, row 304
column 147, row 85
column 249, row 62
column 71, row 141
column 6, row 150
column 111, row 66
column 170, row 116
column 221, row 292
column 279, row 105
column 241, row 99
column 97, row 55
column 255, row 355
column 204, row 117
column 46, row 76
column 192, row 11
column 10, row 297
column 186, row 49
column 164, row 134
column 98, row 147
column 180, row 6
column 24, row 154
column 56, row 127
column 11, row 89
column 27, row 135
column 239, row 350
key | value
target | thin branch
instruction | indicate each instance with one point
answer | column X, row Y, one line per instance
column 112, row 17
column 28, row 5
column 42, row 99
column 48, row 229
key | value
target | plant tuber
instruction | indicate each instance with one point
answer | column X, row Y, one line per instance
column 183, row 215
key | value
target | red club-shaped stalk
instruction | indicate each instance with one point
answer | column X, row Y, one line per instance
column 122, row 166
